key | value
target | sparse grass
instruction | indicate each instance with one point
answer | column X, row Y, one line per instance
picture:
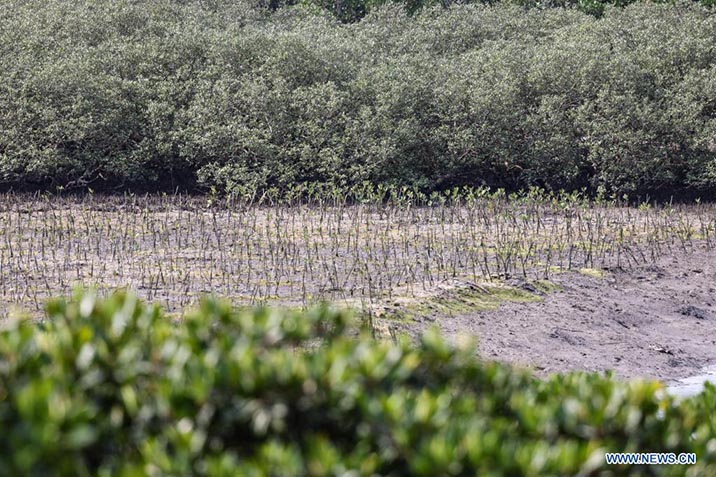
column 174, row 249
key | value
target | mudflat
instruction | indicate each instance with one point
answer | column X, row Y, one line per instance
column 654, row 321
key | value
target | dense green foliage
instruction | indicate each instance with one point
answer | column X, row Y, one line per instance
column 161, row 94
column 354, row 10
column 114, row 388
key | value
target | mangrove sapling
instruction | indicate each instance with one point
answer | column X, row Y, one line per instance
column 289, row 254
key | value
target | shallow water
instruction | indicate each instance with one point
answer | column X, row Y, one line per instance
column 693, row 384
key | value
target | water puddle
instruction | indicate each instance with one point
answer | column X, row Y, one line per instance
column 693, row 384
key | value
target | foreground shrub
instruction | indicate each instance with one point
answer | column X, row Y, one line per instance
column 115, row 388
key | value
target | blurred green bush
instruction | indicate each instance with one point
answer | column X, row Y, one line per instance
column 225, row 94
column 112, row 387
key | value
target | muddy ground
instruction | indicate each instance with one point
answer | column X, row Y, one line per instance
column 655, row 321
column 412, row 265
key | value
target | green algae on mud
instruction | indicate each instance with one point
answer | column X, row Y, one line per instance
column 592, row 272
column 467, row 298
